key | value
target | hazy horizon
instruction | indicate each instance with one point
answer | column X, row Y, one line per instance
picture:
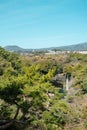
column 44, row 47
column 43, row 23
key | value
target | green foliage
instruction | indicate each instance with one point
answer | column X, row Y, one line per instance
column 25, row 83
column 10, row 91
column 84, row 85
column 57, row 116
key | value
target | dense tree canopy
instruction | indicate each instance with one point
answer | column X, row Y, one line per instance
column 29, row 98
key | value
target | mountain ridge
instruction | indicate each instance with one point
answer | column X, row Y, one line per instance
column 74, row 47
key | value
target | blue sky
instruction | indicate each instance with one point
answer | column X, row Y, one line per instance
column 43, row 23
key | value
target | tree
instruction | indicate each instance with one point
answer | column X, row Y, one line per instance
column 11, row 94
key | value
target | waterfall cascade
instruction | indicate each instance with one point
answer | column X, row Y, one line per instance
column 67, row 83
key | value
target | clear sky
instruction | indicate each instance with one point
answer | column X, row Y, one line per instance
column 43, row 23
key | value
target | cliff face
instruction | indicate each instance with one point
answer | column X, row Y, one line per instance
column 58, row 80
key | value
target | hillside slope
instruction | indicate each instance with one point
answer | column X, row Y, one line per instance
column 76, row 47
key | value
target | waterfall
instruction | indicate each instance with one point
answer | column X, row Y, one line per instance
column 67, row 83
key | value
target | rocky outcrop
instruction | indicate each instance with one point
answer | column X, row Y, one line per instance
column 58, row 80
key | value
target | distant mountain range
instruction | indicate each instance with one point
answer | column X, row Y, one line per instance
column 77, row 47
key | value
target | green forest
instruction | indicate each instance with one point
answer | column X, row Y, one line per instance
column 33, row 93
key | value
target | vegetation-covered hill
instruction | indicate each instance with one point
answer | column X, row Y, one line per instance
column 17, row 49
column 13, row 48
column 77, row 47
column 33, row 95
